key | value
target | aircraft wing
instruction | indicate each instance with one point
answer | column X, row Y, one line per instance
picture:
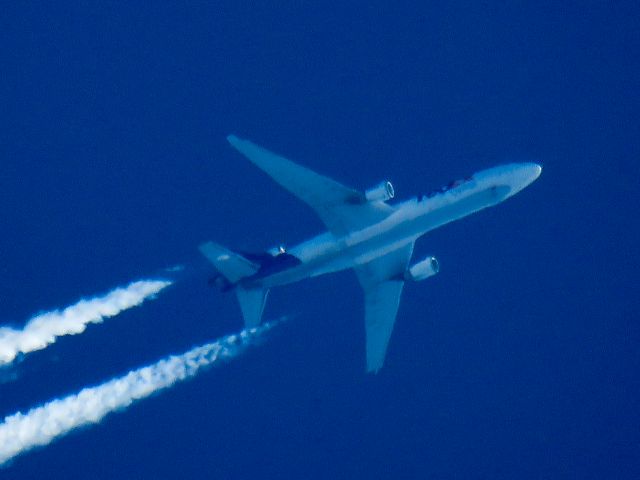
column 342, row 209
column 382, row 281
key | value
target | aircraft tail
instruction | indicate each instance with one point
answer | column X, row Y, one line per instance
column 232, row 268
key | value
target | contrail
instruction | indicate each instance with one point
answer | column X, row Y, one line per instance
column 41, row 425
column 43, row 329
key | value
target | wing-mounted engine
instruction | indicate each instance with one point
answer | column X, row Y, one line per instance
column 422, row 270
column 380, row 193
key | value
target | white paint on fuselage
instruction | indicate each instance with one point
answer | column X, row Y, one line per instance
column 411, row 219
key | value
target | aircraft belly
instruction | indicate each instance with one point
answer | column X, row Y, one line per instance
column 317, row 267
column 325, row 254
column 459, row 208
column 398, row 231
column 341, row 258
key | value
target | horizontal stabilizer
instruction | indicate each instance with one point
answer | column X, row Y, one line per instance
column 230, row 264
column 252, row 304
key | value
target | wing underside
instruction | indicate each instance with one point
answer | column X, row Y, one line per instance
column 341, row 208
column 382, row 281
column 381, row 307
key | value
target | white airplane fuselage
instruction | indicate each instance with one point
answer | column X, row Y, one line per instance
column 327, row 253
column 365, row 233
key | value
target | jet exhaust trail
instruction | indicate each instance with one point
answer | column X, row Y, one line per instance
column 43, row 329
column 41, row 425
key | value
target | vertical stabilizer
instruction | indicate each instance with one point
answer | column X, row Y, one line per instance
column 252, row 304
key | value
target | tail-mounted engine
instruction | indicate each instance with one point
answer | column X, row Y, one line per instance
column 422, row 270
column 380, row 193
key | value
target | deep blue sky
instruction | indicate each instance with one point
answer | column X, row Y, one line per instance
column 519, row 360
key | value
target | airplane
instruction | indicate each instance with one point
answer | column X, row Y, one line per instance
column 365, row 233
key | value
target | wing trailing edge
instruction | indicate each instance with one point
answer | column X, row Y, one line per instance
column 342, row 209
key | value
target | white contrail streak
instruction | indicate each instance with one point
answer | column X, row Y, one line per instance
column 43, row 329
column 41, row 425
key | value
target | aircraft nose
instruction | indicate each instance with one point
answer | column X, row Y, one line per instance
column 527, row 173
column 530, row 172
column 514, row 176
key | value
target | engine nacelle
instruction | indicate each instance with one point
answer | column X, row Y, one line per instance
column 422, row 270
column 380, row 193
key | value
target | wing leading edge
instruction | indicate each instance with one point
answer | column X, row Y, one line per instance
column 341, row 208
